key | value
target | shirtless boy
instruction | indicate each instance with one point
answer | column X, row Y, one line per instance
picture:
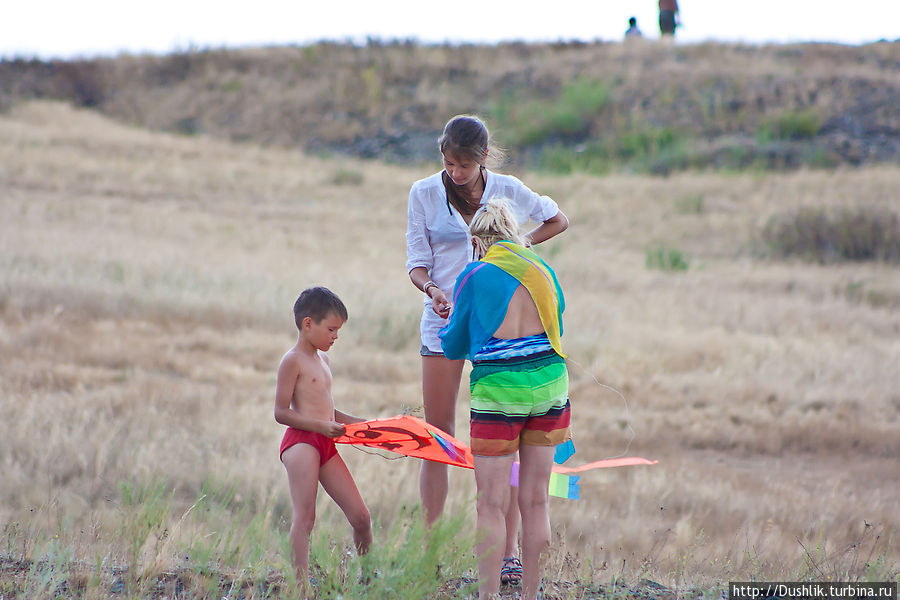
column 303, row 402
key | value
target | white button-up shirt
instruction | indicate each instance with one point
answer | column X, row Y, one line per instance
column 438, row 239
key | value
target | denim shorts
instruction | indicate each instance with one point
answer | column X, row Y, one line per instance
column 424, row 351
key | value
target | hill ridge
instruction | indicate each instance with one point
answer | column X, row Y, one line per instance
column 565, row 106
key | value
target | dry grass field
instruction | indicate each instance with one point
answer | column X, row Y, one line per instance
column 146, row 284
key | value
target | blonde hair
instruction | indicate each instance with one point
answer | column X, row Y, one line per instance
column 493, row 222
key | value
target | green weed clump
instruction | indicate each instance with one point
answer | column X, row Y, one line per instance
column 640, row 149
column 347, row 176
column 827, row 236
column 790, row 125
column 691, row 204
column 568, row 116
column 406, row 561
column 145, row 509
column 666, row 259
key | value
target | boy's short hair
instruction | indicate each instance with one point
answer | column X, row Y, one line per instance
column 316, row 303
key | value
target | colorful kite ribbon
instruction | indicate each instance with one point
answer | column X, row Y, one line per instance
column 565, row 485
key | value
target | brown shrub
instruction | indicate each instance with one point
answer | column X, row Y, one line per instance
column 832, row 235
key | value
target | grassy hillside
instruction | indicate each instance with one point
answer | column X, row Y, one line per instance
column 643, row 106
column 146, row 281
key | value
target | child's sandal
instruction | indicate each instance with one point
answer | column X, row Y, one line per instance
column 511, row 571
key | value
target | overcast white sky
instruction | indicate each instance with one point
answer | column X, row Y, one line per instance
column 86, row 28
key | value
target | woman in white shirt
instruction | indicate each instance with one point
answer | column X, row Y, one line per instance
column 438, row 247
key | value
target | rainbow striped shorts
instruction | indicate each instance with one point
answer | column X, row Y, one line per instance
column 520, row 399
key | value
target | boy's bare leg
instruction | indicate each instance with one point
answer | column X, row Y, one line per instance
column 339, row 484
column 535, row 465
column 440, row 387
column 492, row 485
column 301, row 462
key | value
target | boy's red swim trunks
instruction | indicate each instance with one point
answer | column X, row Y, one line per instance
column 325, row 445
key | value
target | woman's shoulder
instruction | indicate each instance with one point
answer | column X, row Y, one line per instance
column 507, row 186
column 505, row 179
column 432, row 181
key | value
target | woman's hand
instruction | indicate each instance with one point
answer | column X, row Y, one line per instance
column 439, row 303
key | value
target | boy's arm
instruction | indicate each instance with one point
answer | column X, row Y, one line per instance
column 288, row 373
column 346, row 419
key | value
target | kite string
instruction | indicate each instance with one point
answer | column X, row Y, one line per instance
column 362, row 448
column 631, row 432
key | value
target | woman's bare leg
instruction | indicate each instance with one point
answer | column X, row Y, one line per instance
column 492, row 485
column 512, row 524
column 440, row 386
column 535, row 465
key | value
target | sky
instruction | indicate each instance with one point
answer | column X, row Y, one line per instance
column 89, row 28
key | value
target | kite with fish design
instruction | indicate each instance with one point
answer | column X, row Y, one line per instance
column 409, row 436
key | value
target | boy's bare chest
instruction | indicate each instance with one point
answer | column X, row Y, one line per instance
column 312, row 393
column 315, row 379
column 316, row 372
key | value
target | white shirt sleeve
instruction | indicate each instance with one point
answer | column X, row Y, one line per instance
column 418, row 250
column 528, row 205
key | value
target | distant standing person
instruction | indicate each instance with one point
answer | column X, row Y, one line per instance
column 633, row 31
column 438, row 247
column 668, row 17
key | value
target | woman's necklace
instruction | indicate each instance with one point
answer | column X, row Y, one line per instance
column 472, row 204
column 466, row 204
column 479, row 180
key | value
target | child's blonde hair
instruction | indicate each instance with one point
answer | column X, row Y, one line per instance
column 493, row 222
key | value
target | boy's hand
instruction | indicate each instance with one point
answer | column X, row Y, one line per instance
column 333, row 429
